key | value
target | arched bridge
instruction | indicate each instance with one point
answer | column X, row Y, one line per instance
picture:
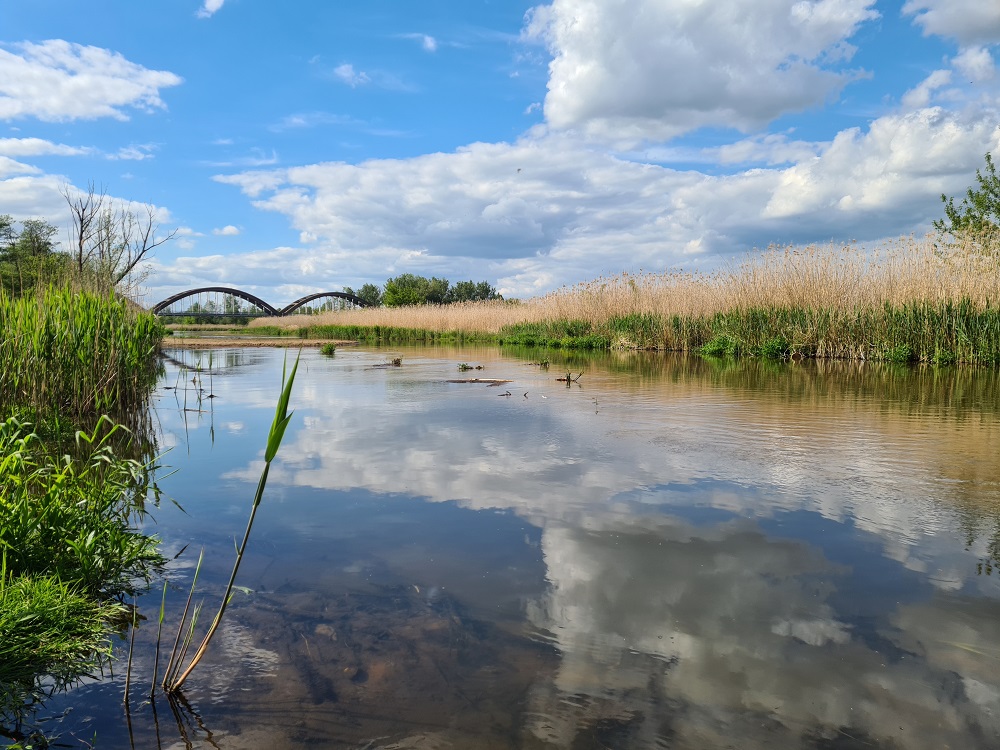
column 230, row 307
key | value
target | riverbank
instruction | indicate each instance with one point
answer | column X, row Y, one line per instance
column 907, row 301
column 74, row 485
column 228, row 342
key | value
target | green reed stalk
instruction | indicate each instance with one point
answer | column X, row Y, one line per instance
column 131, row 649
column 173, row 661
column 281, row 419
column 159, row 632
column 76, row 354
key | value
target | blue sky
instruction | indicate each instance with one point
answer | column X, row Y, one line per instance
column 310, row 145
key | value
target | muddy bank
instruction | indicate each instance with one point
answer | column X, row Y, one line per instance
column 228, row 342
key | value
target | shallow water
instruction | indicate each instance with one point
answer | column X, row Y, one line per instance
column 670, row 552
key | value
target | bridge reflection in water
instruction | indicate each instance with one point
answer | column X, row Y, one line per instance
column 221, row 301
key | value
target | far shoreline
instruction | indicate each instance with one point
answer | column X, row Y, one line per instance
column 224, row 342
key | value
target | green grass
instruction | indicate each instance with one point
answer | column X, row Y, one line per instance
column 72, row 549
column 74, row 517
column 942, row 334
column 76, row 355
column 557, row 334
column 46, row 627
column 377, row 334
column 328, row 349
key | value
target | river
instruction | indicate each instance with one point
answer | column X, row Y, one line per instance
column 668, row 552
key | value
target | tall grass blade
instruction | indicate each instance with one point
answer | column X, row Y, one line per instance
column 173, row 660
column 278, row 426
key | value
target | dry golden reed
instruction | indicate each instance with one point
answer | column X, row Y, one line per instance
column 838, row 278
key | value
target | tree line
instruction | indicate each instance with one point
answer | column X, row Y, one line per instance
column 108, row 246
column 409, row 289
column 28, row 254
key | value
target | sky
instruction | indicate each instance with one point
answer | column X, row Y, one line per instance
column 310, row 145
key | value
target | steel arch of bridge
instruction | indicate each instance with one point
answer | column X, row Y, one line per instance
column 269, row 310
column 310, row 297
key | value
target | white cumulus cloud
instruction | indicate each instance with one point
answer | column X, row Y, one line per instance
column 227, row 231
column 968, row 21
column 546, row 211
column 427, row 42
column 628, row 71
column 975, row 63
column 920, row 95
column 134, row 152
column 57, row 81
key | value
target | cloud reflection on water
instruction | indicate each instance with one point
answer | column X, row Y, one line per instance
column 676, row 613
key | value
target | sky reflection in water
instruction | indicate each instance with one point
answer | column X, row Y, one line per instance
column 671, row 553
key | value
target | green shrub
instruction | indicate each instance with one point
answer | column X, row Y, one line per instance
column 901, row 353
column 776, row 347
column 944, row 357
column 71, row 550
column 74, row 517
column 721, row 346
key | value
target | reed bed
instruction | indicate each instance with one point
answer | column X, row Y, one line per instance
column 932, row 299
column 76, row 355
column 461, row 317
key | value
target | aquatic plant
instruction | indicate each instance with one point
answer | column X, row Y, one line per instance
column 76, row 355
column 49, row 633
column 278, row 426
column 72, row 548
column 328, row 349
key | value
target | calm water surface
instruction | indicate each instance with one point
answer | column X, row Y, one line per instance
column 669, row 553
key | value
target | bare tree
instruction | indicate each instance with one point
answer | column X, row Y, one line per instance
column 112, row 240
column 85, row 208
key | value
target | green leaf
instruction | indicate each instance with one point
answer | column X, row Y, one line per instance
column 281, row 415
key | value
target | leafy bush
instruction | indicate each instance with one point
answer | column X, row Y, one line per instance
column 72, row 549
column 776, row 347
column 720, row 346
column 76, row 518
column 901, row 353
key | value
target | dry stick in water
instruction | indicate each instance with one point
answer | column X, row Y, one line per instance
column 278, row 426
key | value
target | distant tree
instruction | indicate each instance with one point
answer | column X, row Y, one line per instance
column 8, row 234
column 369, row 294
column 470, row 291
column 232, row 305
column 9, row 267
column 408, row 289
column 28, row 257
column 980, row 208
column 36, row 238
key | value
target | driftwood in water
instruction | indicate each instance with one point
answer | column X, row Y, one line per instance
column 488, row 381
